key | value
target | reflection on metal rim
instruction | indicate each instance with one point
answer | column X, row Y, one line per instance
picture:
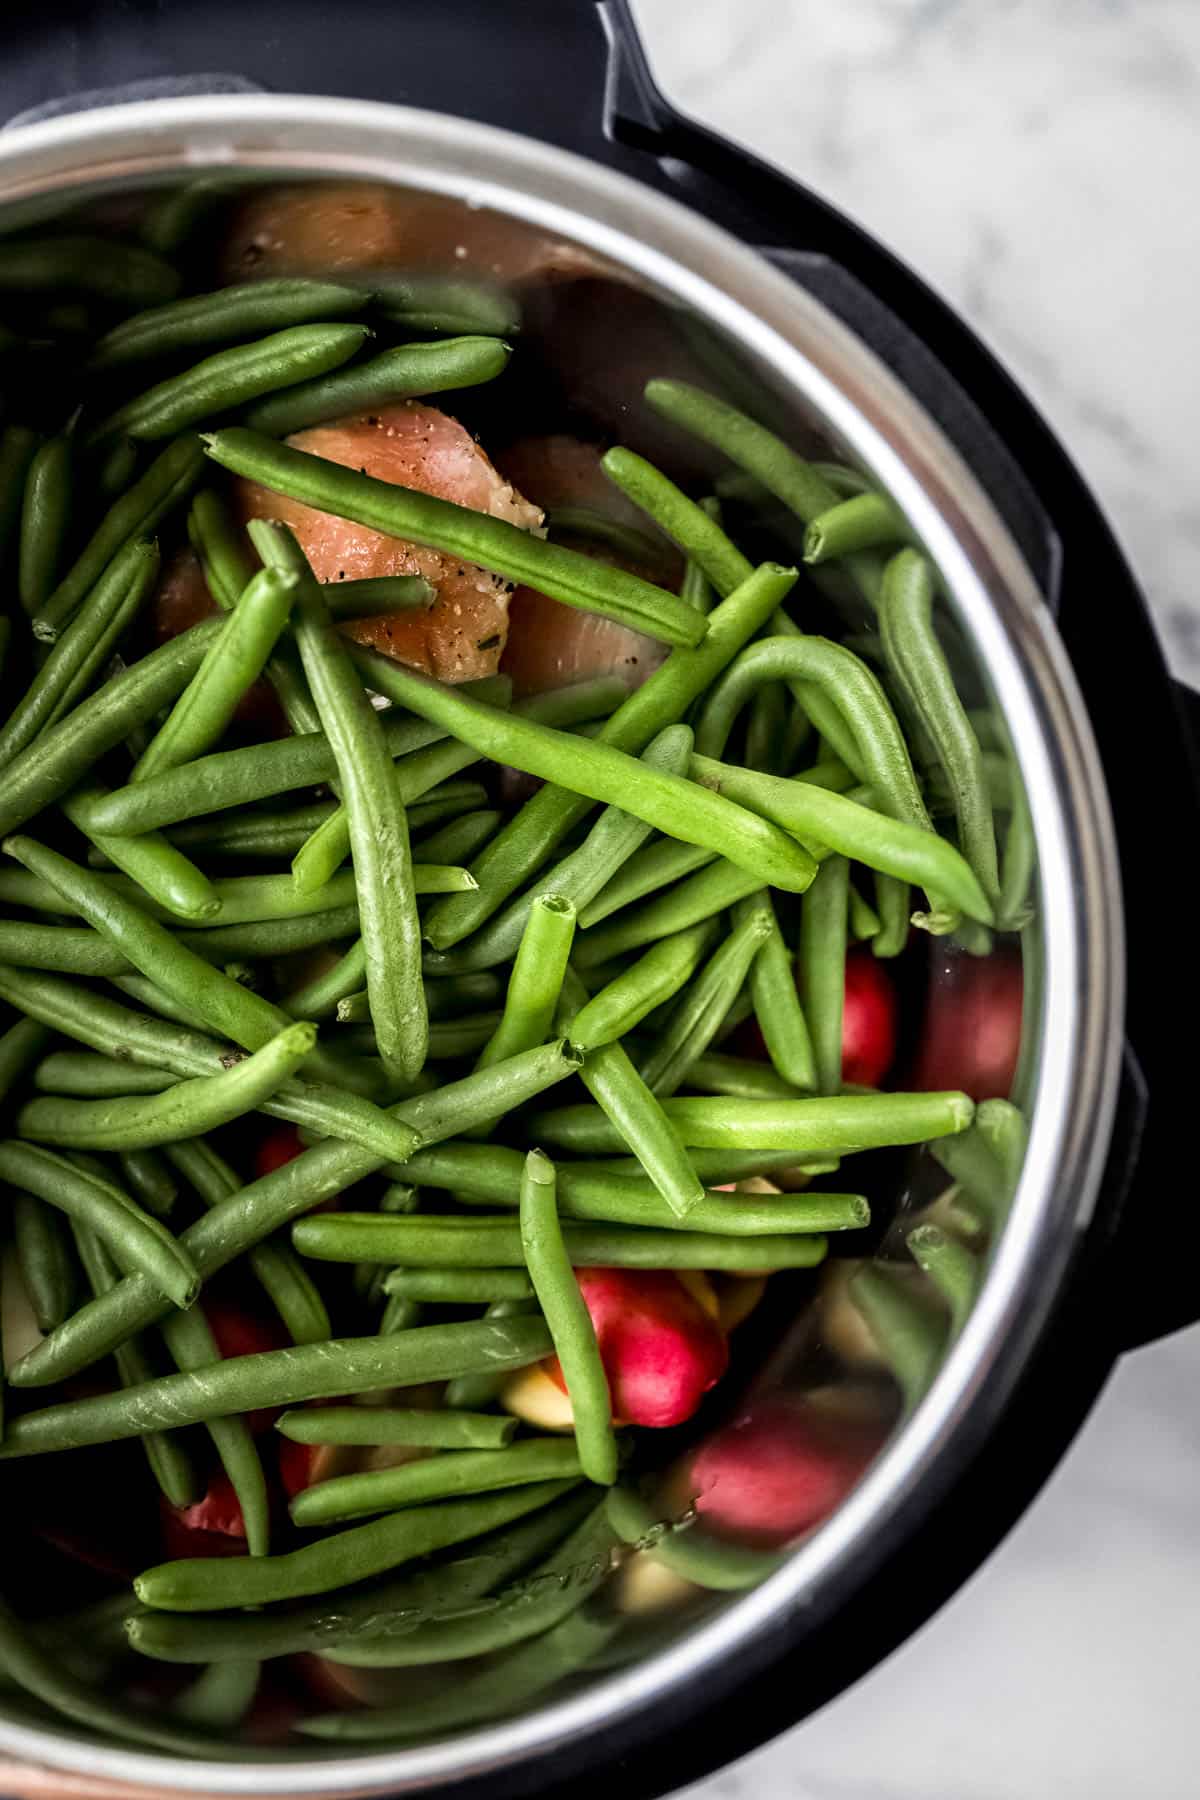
column 803, row 352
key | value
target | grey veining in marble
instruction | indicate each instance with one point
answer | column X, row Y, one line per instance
column 1037, row 160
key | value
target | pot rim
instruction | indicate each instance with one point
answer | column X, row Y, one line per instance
column 683, row 258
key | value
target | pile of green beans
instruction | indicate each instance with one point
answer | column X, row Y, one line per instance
column 326, row 1066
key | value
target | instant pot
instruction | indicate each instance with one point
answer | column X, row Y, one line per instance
column 544, row 120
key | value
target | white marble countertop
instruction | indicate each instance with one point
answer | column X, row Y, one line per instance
column 1036, row 160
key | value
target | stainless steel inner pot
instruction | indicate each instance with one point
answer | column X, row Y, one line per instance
column 775, row 350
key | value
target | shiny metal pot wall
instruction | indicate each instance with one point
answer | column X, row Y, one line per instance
column 777, row 352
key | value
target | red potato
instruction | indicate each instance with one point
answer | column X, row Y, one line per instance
column 550, row 645
column 213, row 1526
column 869, row 1020
column 662, row 1350
column 971, row 1033
column 333, row 228
column 460, row 637
column 280, row 1146
column 777, row 1471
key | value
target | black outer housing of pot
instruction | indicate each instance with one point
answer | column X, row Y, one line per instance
column 572, row 73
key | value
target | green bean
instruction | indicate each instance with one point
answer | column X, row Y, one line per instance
column 535, row 985
column 134, row 1237
column 202, row 714
column 1002, row 1127
column 864, row 920
column 202, row 1585
column 596, row 1193
column 655, row 867
column 862, row 522
column 525, row 843
column 694, row 1021
column 273, row 1201
column 971, row 1160
column 686, row 1551
column 270, row 1378
column 384, row 1610
column 596, row 769
column 841, row 1124
column 486, row 1241
column 651, row 981
column 228, row 316
column 220, row 1697
column 283, row 1278
column 841, row 823
column 187, row 1109
column 614, row 1083
column 777, row 1008
column 848, row 684
column 116, row 469
column 397, row 1425
column 687, row 524
column 149, row 1180
column 529, row 1607
column 568, row 1319
column 47, row 769
column 21, row 1046
column 595, row 527
column 912, row 650
column 134, row 1038
column 421, row 772
column 584, row 873
column 822, row 968
column 228, row 379
column 376, row 594
column 18, row 446
column 378, row 827
column 230, row 1009
column 250, row 835
column 910, row 1337
column 1018, row 863
column 164, row 875
column 321, row 997
column 397, row 374
column 803, row 487
column 565, row 575
column 741, row 1078
column 189, row 1338
column 731, row 1165
column 41, row 1673
column 460, row 838
column 222, row 547
column 78, row 1072
column 166, row 1452
column 711, row 890
column 170, row 478
column 44, row 1256
column 458, row 1287
column 444, row 304
column 765, row 724
column 452, row 1473
column 952, row 1268
column 103, row 268
column 501, row 1688
column 45, row 521
column 68, row 672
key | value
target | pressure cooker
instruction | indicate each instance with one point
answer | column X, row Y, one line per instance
column 545, row 122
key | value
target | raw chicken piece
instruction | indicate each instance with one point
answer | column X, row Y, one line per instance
column 461, row 636
column 548, row 644
column 331, row 228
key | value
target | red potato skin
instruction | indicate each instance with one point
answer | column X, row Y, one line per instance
column 661, row 1351
column 869, row 1020
column 971, row 1033
column 212, row 1527
column 776, row 1472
